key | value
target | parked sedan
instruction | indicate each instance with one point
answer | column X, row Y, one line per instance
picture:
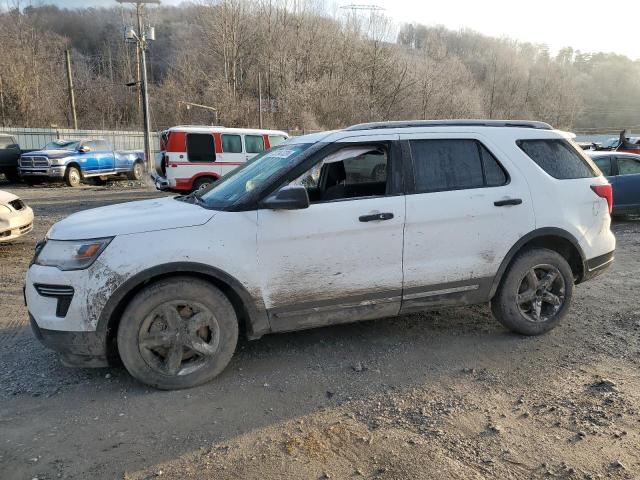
column 16, row 219
column 623, row 172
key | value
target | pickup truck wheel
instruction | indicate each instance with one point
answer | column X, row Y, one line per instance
column 72, row 177
column 177, row 333
column 536, row 292
column 137, row 171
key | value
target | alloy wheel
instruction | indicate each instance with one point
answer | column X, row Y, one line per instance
column 541, row 293
column 179, row 337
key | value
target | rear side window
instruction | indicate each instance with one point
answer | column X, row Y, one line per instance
column 200, row 147
column 276, row 140
column 454, row 165
column 254, row 143
column 559, row 158
column 101, row 145
column 628, row 166
column 231, row 144
column 604, row 164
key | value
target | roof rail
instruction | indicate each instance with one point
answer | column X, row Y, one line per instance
column 451, row 123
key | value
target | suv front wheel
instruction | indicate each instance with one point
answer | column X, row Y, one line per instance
column 177, row 333
column 536, row 292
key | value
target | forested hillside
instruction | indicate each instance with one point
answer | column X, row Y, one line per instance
column 318, row 70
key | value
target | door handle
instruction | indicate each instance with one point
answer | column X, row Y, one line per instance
column 508, row 201
column 375, row 217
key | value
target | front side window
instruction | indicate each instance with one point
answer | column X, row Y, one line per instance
column 275, row 140
column 560, row 158
column 231, row 144
column 201, row 147
column 628, row 166
column 454, row 164
column 252, row 175
column 101, row 146
column 604, row 164
column 254, row 143
column 351, row 172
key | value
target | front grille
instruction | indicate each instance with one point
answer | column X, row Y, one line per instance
column 26, row 228
column 30, row 162
column 63, row 293
column 17, row 204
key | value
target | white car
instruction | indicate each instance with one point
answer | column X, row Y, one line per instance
column 16, row 219
column 467, row 212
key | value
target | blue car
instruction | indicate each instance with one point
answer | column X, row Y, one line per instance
column 74, row 160
column 623, row 172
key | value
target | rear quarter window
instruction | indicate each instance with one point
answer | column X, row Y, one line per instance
column 559, row 158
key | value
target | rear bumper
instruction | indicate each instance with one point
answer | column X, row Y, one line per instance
column 597, row 265
column 161, row 183
column 77, row 349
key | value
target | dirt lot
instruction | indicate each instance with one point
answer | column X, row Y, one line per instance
column 435, row 395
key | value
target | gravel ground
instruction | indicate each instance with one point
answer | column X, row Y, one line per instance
column 447, row 394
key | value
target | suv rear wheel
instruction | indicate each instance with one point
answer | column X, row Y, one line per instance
column 177, row 333
column 536, row 292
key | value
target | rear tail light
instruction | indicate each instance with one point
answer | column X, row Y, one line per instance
column 604, row 191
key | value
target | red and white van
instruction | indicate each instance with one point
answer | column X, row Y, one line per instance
column 192, row 157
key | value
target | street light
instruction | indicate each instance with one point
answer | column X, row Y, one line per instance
column 141, row 37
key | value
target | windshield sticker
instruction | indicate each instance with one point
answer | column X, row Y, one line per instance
column 282, row 153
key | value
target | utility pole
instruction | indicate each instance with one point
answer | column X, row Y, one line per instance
column 259, row 101
column 141, row 38
column 72, row 97
column 4, row 122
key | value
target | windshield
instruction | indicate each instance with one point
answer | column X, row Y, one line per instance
column 252, row 175
column 62, row 145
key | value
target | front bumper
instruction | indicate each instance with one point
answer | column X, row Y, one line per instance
column 54, row 171
column 16, row 224
column 77, row 349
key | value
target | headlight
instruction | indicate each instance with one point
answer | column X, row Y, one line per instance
column 71, row 254
column 57, row 161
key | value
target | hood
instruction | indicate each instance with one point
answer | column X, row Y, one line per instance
column 131, row 217
column 50, row 153
column 6, row 197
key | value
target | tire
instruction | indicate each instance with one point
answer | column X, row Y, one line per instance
column 534, row 306
column 73, row 177
column 202, row 182
column 137, row 171
column 158, row 344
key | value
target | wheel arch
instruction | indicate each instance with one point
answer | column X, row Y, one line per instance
column 76, row 165
column 251, row 314
column 553, row 238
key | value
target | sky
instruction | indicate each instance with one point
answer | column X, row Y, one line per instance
column 586, row 25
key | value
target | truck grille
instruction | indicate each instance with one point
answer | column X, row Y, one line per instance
column 30, row 162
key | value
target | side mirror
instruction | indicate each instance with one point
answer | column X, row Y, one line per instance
column 84, row 149
column 294, row 197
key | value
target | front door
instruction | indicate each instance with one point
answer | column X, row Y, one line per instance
column 468, row 207
column 339, row 260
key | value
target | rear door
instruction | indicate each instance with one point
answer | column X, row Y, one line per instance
column 466, row 208
column 626, row 195
column 104, row 153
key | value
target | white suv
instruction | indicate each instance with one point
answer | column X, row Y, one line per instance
column 372, row 221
